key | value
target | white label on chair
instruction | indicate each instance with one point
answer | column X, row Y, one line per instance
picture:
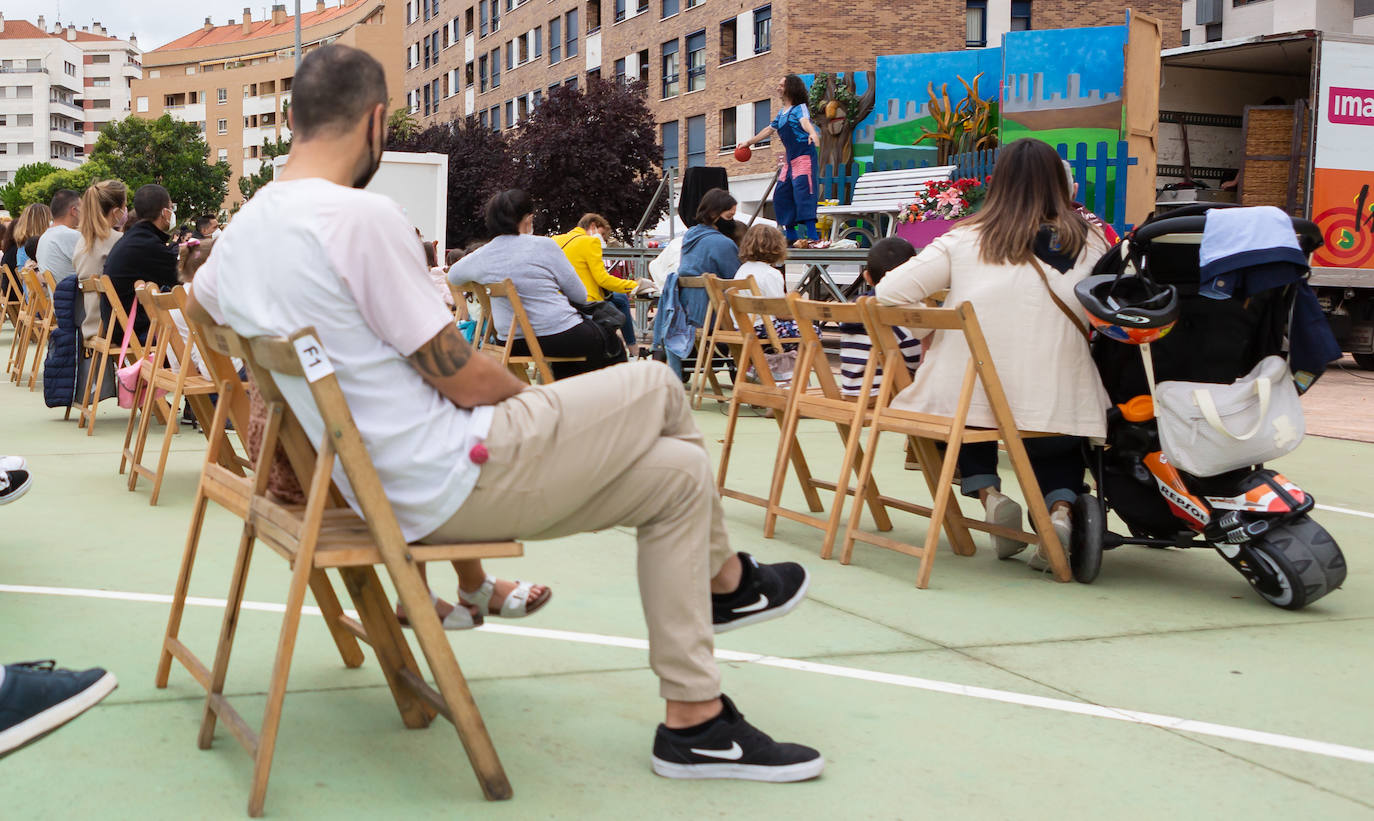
column 313, row 359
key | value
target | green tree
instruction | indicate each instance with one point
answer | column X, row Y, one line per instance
column 401, row 126
column 77, row 179
column 250, row 183
column 168, row 152
column 10, row 194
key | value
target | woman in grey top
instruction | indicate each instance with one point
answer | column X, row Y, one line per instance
column 547, row 285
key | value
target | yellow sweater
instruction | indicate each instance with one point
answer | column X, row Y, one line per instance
column 584, row 252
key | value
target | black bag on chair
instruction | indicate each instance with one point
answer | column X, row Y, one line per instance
column 607, row 318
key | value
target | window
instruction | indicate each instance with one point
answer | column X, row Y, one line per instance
column 763, row 115
column 105, row 58
column 425, row 95
column 496, row 20
column 555, row 40
column 1187, row 38
column 24, row 92
column 142, row 105
column 70, row 69
column 510, row 55
column 696, row 61
column 1364, row 8
column 670, row 69
column 696, row 141
column 495, row 113
column 593, row 75
column 482, row 118
column 620, row 72
column 670, row 8
column 763, row 29
column 35, row 64
column 222, row 126
column 571, row 82
column 4, row 121
column 1020, row 15
column 593, row 15
column 727, row 128
column 694, row 3
column 620, row 10
column 570, row 28
column 641, row 6
column 100, row 103
column 222, row 96
column 729, row 36
column 1214, row 32
column 538, row 97
column 524, row 41
column 538, row 42
column 467, row 21
column 100, row 82
column 434, row 46
column 976, row 24
column 644, row 67
column 467, row 76
column 434, row 92
column 670, row 145
column 482, row 74
column 510, row 113
column 496, row 67
column 522, row 108
column 482, row 8
column 426, row 52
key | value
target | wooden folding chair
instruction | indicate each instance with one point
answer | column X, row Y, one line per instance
column 719, row 329
column 42, row 319
column 97, row 350
column 823, row 402
column 502, row 347
column 23, row 329
column 172, row 369
column 145, row 397
column 477, row 292
column 762, row 390
column 325, row 534
column 13, row 297
column 926, row 430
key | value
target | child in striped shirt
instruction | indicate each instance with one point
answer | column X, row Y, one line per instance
column 855, row 346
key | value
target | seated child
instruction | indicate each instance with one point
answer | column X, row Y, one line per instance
column 762, row 248
column 855, row 346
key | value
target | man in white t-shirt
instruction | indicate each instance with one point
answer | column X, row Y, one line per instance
column 58, row 244
column 465, row 451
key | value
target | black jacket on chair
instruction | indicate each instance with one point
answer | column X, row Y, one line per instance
column 142, row 254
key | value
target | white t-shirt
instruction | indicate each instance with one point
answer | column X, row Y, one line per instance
column 768, row 278
column 55, row 250
column 312, row 253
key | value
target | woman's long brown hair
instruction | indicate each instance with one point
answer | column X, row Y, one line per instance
column 1029, row 190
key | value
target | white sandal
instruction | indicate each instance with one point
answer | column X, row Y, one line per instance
column 459, row 618
column 516, row 605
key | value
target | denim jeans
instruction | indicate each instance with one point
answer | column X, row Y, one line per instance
column 1056, row 460
column 622, row 301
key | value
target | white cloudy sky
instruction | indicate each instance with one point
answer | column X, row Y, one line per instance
column 154, row 21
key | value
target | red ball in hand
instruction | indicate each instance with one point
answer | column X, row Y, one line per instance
column 742, row 153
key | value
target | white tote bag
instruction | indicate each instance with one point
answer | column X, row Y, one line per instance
column 1207, row 429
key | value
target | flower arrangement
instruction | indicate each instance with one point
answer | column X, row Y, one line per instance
column 945, row 199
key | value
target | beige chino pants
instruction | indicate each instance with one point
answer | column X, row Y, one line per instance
column 614, row 447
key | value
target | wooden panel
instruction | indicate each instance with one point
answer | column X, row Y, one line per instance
column 1140, row 103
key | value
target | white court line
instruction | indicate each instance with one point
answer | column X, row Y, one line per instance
column 1347, row 511
column 1287, row 742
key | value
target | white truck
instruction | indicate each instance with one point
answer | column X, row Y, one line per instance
column 1285, row 120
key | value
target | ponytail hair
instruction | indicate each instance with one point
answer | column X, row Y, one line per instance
column 98, row 205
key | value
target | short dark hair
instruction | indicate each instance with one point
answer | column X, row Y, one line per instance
column 149, row 200
column 62, row 202
column 886, row 254
column 333, row 88
column 794, row 89
column 714, row 203
column 505, row 210
column 203, row 221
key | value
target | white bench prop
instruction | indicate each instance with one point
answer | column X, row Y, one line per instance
column 880, row 195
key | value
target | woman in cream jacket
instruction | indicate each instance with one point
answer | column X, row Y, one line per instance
column 990, row 261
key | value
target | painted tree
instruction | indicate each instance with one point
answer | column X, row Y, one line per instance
column 837, row 109
column 594, row 149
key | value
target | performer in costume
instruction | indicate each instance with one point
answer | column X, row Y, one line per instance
column 794, row 198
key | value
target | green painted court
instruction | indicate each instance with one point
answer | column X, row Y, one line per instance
column 1165, row 689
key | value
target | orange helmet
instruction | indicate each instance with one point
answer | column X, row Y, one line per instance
column 1130, row 309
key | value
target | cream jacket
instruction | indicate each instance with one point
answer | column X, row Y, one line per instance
column 1043, row 361
column 89, row 265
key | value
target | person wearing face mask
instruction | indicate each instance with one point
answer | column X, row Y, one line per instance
column 143, row 253
column 104, row 207
column 547, row 283
column 583, row 246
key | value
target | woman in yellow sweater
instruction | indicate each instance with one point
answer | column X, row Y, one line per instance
column 582, row 246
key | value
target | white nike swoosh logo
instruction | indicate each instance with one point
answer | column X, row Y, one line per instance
column 735, row 753
column 758, row 605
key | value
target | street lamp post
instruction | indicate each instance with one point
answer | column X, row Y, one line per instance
column 298, row 35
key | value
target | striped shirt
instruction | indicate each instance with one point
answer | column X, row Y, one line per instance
column 856, row 347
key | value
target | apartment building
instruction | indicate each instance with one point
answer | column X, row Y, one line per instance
column 234, row 80
column 58, row 88
column 1211, row 21
column 710, row 66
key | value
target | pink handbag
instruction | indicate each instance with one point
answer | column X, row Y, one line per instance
column 127, row 387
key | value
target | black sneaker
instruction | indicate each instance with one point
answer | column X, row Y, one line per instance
column 13, row 484
column 765, row 592
column 37, row 698
column 730, row 747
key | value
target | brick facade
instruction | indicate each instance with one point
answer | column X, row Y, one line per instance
column 448, row 43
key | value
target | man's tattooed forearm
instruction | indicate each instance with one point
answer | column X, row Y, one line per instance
column 444, row 355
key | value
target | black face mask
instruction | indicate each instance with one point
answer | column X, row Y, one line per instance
column 374, row 159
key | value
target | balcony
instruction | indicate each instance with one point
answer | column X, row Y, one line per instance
column 63, row 105
column 70, row 136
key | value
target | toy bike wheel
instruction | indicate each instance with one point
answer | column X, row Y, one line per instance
column 1302, row 563
column 1085, row 543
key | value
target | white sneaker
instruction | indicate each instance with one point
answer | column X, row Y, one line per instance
column 1063, row 528
column 1004, row 511
column 8, row 463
